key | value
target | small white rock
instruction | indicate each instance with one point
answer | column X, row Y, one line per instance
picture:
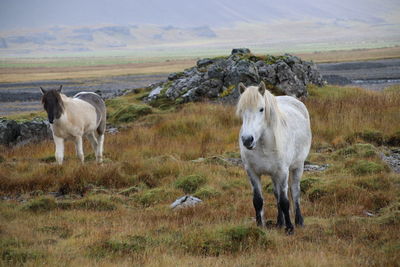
column 185, row 201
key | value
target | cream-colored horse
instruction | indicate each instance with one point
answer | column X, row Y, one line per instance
column 275, row 139
column 72, row 118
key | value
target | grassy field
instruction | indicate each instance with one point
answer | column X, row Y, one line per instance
column 118, row 213
column 38, row 69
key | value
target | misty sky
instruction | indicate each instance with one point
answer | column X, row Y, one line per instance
column 16, row 14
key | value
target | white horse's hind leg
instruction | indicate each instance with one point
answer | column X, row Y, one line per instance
column 59, row 142
column 100, row 141
column 79, row 148
column 258, row 200
column 295, row 187
column 281, row 192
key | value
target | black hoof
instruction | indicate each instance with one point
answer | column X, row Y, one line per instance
column 289, row 230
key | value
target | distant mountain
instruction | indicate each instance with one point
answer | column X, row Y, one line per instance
column 157, row 25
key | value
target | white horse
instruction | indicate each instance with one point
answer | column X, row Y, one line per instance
column 72, row 118
column 275, row 139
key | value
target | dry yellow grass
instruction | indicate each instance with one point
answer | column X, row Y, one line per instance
column 25, row 74
column 118, row 214
column 150, row 66
column 352, row 55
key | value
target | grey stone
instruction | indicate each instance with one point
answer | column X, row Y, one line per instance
column 13, row 132
column 210, row 78
column 240, row 51
column 315, row 167
column 185, row 201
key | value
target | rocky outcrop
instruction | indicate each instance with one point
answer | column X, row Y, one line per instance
column 217, row 78
column 13, row 132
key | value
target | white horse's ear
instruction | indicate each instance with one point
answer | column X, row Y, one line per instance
column 242, row 88
column 59, row 89
column 262, row 88
column 42, row 90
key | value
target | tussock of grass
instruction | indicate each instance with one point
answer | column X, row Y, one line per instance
column 206, row 192
column 189, row 184
column 129, row 113
column 60, row 231
column 95, row 203
column 129, row 245
column 155, row 196
column 231, row 239
column 41, row 204
column 363, row 167
column 14, row 252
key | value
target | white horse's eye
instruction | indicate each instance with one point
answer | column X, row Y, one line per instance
column 261, row 109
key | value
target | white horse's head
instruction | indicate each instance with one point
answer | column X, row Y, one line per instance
column 256, row 107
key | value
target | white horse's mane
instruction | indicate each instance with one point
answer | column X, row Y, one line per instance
column 273, row 115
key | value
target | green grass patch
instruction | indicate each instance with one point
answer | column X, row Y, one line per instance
column 226, row 240
column 154, row 196
column 357, row 150
column 206, row 192
column 60, row 231
column 125, row 246
column 91, row 203
column 129, row 113
column 189, row 184
column 40, row 205
column 332, row 92
column 365, row 167
column 14, row 252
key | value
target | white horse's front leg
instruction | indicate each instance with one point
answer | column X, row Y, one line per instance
column 59, row 142
column 79, row 148
column 280, row 181
column 258, row 200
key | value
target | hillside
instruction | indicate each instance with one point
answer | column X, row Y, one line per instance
column 186, row 29
column 118, row 213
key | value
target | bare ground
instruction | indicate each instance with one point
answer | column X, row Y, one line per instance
column 16, row 97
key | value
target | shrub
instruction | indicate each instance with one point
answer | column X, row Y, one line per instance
column 189, row 184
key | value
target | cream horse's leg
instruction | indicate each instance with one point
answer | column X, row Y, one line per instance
column 95, row 145
column 79, row 148
column 59, row 142
column 99, row 152
column 258, row 200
